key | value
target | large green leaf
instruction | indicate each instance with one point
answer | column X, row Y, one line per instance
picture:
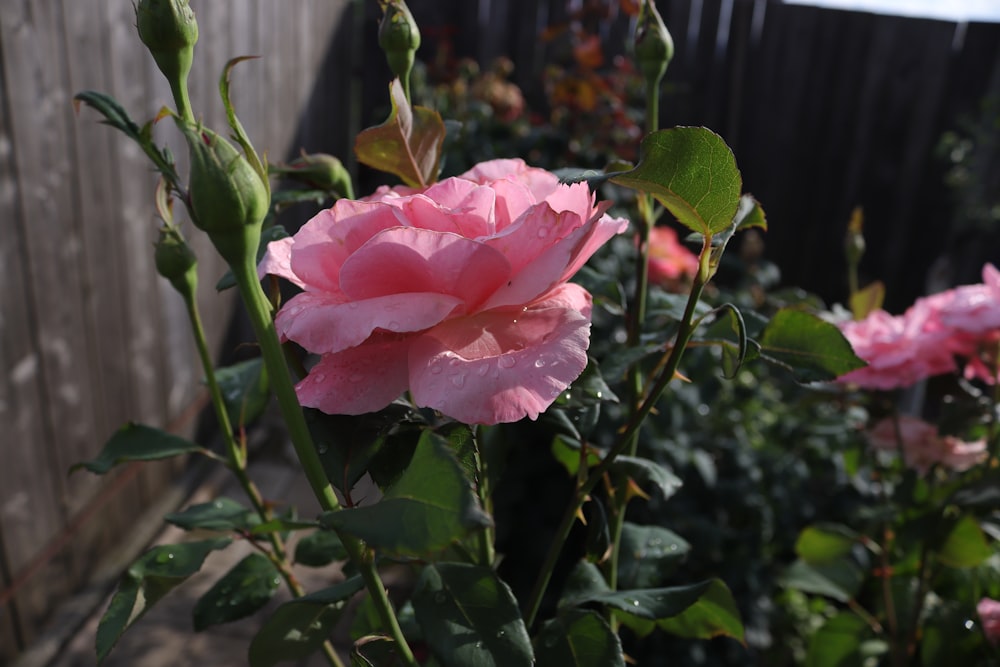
column 825, row 542
column 147, row 580
column 408, row 144
column 242, row 591
column 692, row 172
column 137, row 442
column 245, row 390
column 429, row 507
column 222, row 514
column 648, row 555
column 470, row 618
column 813, row 349
column 578, row 638
column 298, row 628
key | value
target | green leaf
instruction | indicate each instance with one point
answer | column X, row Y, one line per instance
column 648, row 473
column 648, row 555
column 298, row 628
column 578, row 638
column 825, row 542
column 222, row 514
column 428, row 508
column 597, row 546
column 568, row 454
column 116, row 116
column 588, row 389
column 245, row 390
column 282, row 525
column 470, row 618
column 839, row 579
column 838, row 642
column 867, row 299
column 136, row 442
column 239, row 134
column 701, row 610
column 813, row 349
column 965, row 546
column 729, row 332
column 319, row 549
column 147, row 580
column 693, row 173
column 584, row 581
column 408, row 144
column 242, row 591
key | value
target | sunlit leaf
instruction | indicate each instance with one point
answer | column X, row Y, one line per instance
column 813, row 349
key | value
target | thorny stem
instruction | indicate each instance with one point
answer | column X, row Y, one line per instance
column 669, row 368
column 259, row 311
column 237, row 462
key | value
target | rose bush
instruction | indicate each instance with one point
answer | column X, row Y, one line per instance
column 457, row 293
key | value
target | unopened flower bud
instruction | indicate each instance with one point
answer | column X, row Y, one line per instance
column 320, row 171
column 227, row 195
column 654, row 47
column 169, row 30
column 854, row 245
column 175, row 261
column 398, row 37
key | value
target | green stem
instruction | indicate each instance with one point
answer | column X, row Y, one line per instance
column 236, row 460
column 182, row 99
column 684, row 333
column 259, row 311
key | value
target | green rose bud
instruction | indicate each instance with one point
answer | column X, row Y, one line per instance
column 654, row 47
column 175, row 261
column 169, row 30
column 320, row 171
column 228, row 199
column 399, row 38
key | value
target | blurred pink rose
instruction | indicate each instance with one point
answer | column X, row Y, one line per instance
column 922, row 445
column 458, row 294
column 974, row 309
column 669, row 261
column 900, row 351
column 989, row 614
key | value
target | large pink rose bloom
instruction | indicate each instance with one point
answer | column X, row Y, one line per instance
column 458, row 294
column 900, row 351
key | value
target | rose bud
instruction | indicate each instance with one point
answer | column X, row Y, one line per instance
column 169, row 30
column 654, row 47
column 399, row 38
column 175, row 260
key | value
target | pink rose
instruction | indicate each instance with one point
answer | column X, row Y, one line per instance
column 900, row 351
column 457, row 294
column 974, row 309
column 922, row 445
column 668, row 259
column 989, row 614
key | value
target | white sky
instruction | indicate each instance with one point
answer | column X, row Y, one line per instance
column 946, row 10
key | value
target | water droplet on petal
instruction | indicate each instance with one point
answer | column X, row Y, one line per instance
column 393, row 325
column 543, row 232
column 436, row 369
column 507, row 361
column 481, row 371
column 458, row 380
column 319, row 377
column 539, row 363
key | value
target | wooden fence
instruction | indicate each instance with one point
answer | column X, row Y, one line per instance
column 825, row 111
column 90, row 336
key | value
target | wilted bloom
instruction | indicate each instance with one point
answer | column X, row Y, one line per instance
column 457, row 293
column 922, row 445
column 989, row 615
column 900, row 351
column 669, row 261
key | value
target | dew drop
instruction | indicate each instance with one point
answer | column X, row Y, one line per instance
column 322, row 448
column 634, row 603
column 481, row 371
column 458, row 380
column 969, row 625
column 393, row 325
column 319, row 377
column 479, row 644
column 436, row 369
column 598, row 394
column 543, row 232
column 507, row 361
column 539, row 363
column 500, row 633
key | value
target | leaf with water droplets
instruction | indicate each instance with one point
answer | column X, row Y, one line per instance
column 470, row 618
column 578, row 638
column 648, row 555
column 148, row 579
column 221, row 514
column 648, row 473
column 319, row 549
column 242, row 591
column 245, row 390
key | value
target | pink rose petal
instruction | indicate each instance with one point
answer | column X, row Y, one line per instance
column 277, row 261
column 362, row 379
column 498, row 367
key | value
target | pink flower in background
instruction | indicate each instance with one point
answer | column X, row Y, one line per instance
column 669, row 261
column 974, row 309
column 458, row 294
column 922, row 445
column 900, row 351
column 989, row 614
